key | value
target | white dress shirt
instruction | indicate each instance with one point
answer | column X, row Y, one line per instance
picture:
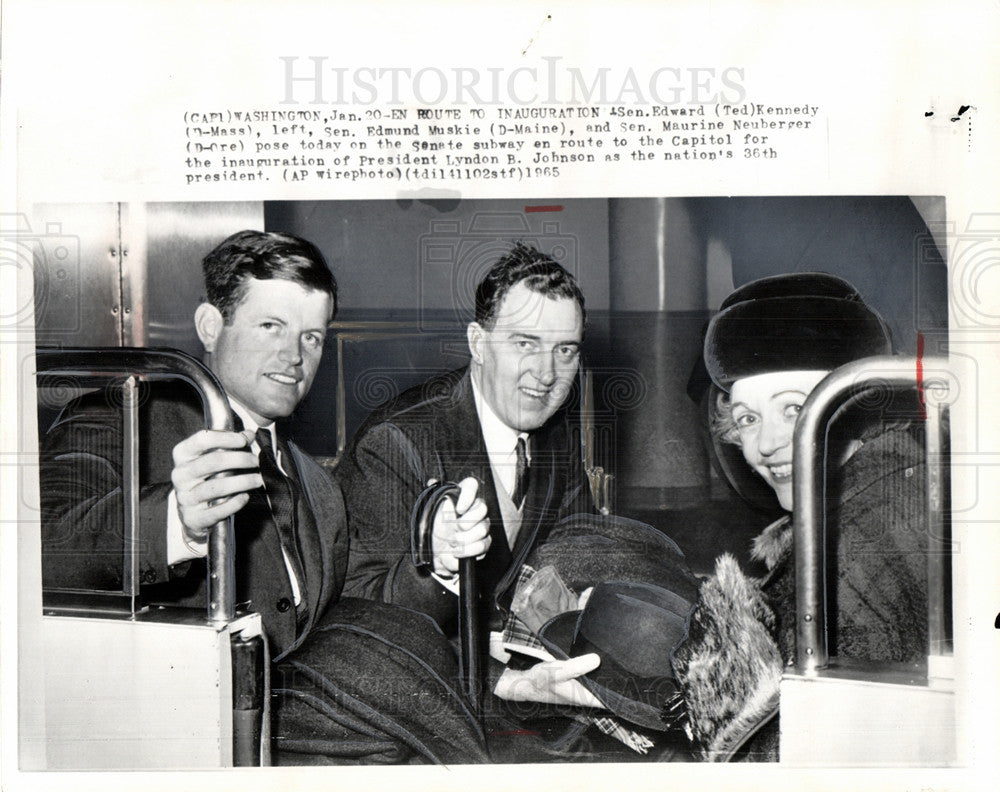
column 501, row 448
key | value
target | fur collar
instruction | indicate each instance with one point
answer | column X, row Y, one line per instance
column 774, row 544
column 729, row 669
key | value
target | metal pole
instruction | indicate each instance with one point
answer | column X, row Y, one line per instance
column 808, row 483
column 938, row 541
column 130, row 490
column 97, row 365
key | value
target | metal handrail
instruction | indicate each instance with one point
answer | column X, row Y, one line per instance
column 809, row 460
column 96, row 366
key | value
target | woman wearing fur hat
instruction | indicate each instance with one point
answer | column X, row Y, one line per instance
column 768, row 347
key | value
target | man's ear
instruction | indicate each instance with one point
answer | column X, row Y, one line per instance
column 208, row 323
column 476, row 336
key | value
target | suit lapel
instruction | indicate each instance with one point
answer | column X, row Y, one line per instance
column 261, row 574
column 468, row 449
column 257, row 530
column 257, row 539
column 309, row 542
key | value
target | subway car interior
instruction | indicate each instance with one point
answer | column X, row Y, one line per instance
column 653, row 271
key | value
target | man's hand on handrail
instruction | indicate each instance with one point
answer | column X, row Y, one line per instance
column 204, row 496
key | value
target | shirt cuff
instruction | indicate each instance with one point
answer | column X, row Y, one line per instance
column 497, row 650
column 449, row 583
column 178, row 547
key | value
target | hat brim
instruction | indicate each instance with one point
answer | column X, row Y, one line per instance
column 587, row 549
column 640, row 700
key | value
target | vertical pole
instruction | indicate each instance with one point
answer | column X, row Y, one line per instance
column 809, row 525
column 937, row 541
column 221, row 572
column 130, row 490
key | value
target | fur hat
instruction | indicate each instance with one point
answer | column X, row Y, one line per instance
column 802, row 321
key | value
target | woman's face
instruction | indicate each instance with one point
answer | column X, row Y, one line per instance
column 765, row 408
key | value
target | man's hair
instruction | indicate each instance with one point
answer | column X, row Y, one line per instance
column 536, row 270
column 262, row 255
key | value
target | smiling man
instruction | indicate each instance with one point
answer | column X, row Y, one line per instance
column 338, row 662
column 269, row 299
column 495, row 428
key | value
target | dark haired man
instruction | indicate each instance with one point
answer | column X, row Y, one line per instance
column 270, row 300
column 493, row 427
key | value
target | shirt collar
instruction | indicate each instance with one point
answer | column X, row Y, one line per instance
column 500, row 439
column 249, row 424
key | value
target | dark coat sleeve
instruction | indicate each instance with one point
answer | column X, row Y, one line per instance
column 382, row 478
column 880, row 526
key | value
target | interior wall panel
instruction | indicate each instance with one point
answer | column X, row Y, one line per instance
column 176, row 237
column 76, row 250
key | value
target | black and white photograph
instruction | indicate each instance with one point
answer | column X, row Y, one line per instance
column 586, row 407
column 548, row 403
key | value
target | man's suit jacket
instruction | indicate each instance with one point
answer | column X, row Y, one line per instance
column 81, row 517
column 433, row 432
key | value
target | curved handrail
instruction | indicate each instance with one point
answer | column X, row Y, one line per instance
column 809, row 451
column 98, row 365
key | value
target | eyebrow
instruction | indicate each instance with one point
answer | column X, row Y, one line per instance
column 537, row 339
column 278, row 320
column 790, row 390
column 778, row 395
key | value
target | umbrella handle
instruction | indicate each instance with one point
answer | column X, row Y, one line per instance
column 421, row 527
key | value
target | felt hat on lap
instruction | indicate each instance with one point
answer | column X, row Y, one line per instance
column 634, row 628
column 587, row 549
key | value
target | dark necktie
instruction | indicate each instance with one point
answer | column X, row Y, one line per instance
column 521, row 474
column 283, row 494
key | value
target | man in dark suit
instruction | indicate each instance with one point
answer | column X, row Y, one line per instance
column 496, row 427
column 270, row 298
